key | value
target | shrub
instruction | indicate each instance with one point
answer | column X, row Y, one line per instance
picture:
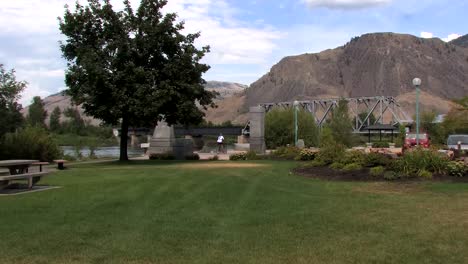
column 30, row 143
column 251, row 155
column 307, row 154
column 377, row 171
column 390, row 175
column 337, row 166
column 316, row 163
column 331, row 153
column 354, row 156
column 457, row 169
column 238, row 156
column 380, row 145
column 352, row 167
column 376, row 159
column 288, row 153
column 193, row 156
column 162, row 156
column 418, row 160
column 425, row 174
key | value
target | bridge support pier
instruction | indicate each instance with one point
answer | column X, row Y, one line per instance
column 257, row 129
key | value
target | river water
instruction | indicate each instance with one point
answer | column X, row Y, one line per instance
column 103, row 152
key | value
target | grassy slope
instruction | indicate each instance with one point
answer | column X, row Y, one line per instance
column 171, row 213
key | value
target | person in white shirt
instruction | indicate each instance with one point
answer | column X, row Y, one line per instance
column 220, row 142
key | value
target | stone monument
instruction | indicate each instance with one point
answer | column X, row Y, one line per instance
column 165, row 142
column 257, row 129
column 163, row 139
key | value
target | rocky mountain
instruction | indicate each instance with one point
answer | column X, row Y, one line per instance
column 225, row 90
column 370, row 65
column 461, row 41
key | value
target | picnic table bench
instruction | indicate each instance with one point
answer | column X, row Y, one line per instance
column 19, row 171
column 32, row 178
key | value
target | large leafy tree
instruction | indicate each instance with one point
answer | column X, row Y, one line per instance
column 36, row 113
column 133, row 68
column 10, row 90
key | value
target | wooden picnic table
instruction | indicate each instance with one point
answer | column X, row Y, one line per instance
column 19, row 171
column 17, row 166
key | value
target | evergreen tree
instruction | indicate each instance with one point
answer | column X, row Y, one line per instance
column 36, row 113
column 341, row 125
column 54, row 122
column 133, row 68
column 75, row 123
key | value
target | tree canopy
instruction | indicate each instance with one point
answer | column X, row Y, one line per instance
column 10, row 90
column 133, row 67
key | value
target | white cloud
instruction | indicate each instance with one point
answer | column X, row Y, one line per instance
column 30, row 16
column 231, row 40
column 427, row 35
column 29, row 36
column 450, row 37
column 345, row 4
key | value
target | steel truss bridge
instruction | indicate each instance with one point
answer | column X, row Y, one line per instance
column 383, row 108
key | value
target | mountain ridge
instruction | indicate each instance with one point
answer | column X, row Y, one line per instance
column 376, row 64
column 461, row 41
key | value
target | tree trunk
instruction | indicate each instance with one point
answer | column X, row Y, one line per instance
column 123, row 140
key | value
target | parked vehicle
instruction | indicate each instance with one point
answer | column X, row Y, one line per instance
column 454, row 140
column 424, row 140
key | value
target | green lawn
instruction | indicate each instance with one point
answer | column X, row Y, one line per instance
column 150, row 212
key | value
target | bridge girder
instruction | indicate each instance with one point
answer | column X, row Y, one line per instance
column 379, row 106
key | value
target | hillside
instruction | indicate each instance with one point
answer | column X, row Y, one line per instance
column 461, row 41
column 225, row 89
column 370, row 65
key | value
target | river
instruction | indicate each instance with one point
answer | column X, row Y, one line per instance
column 103, row 152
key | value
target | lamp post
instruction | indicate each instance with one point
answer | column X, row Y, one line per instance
column 295, row 104
column 417, row 84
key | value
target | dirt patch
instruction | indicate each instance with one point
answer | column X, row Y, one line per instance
column 363, row 175
column 220, row 165
column 326, row 173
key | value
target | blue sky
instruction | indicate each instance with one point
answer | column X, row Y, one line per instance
column 247, row 37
